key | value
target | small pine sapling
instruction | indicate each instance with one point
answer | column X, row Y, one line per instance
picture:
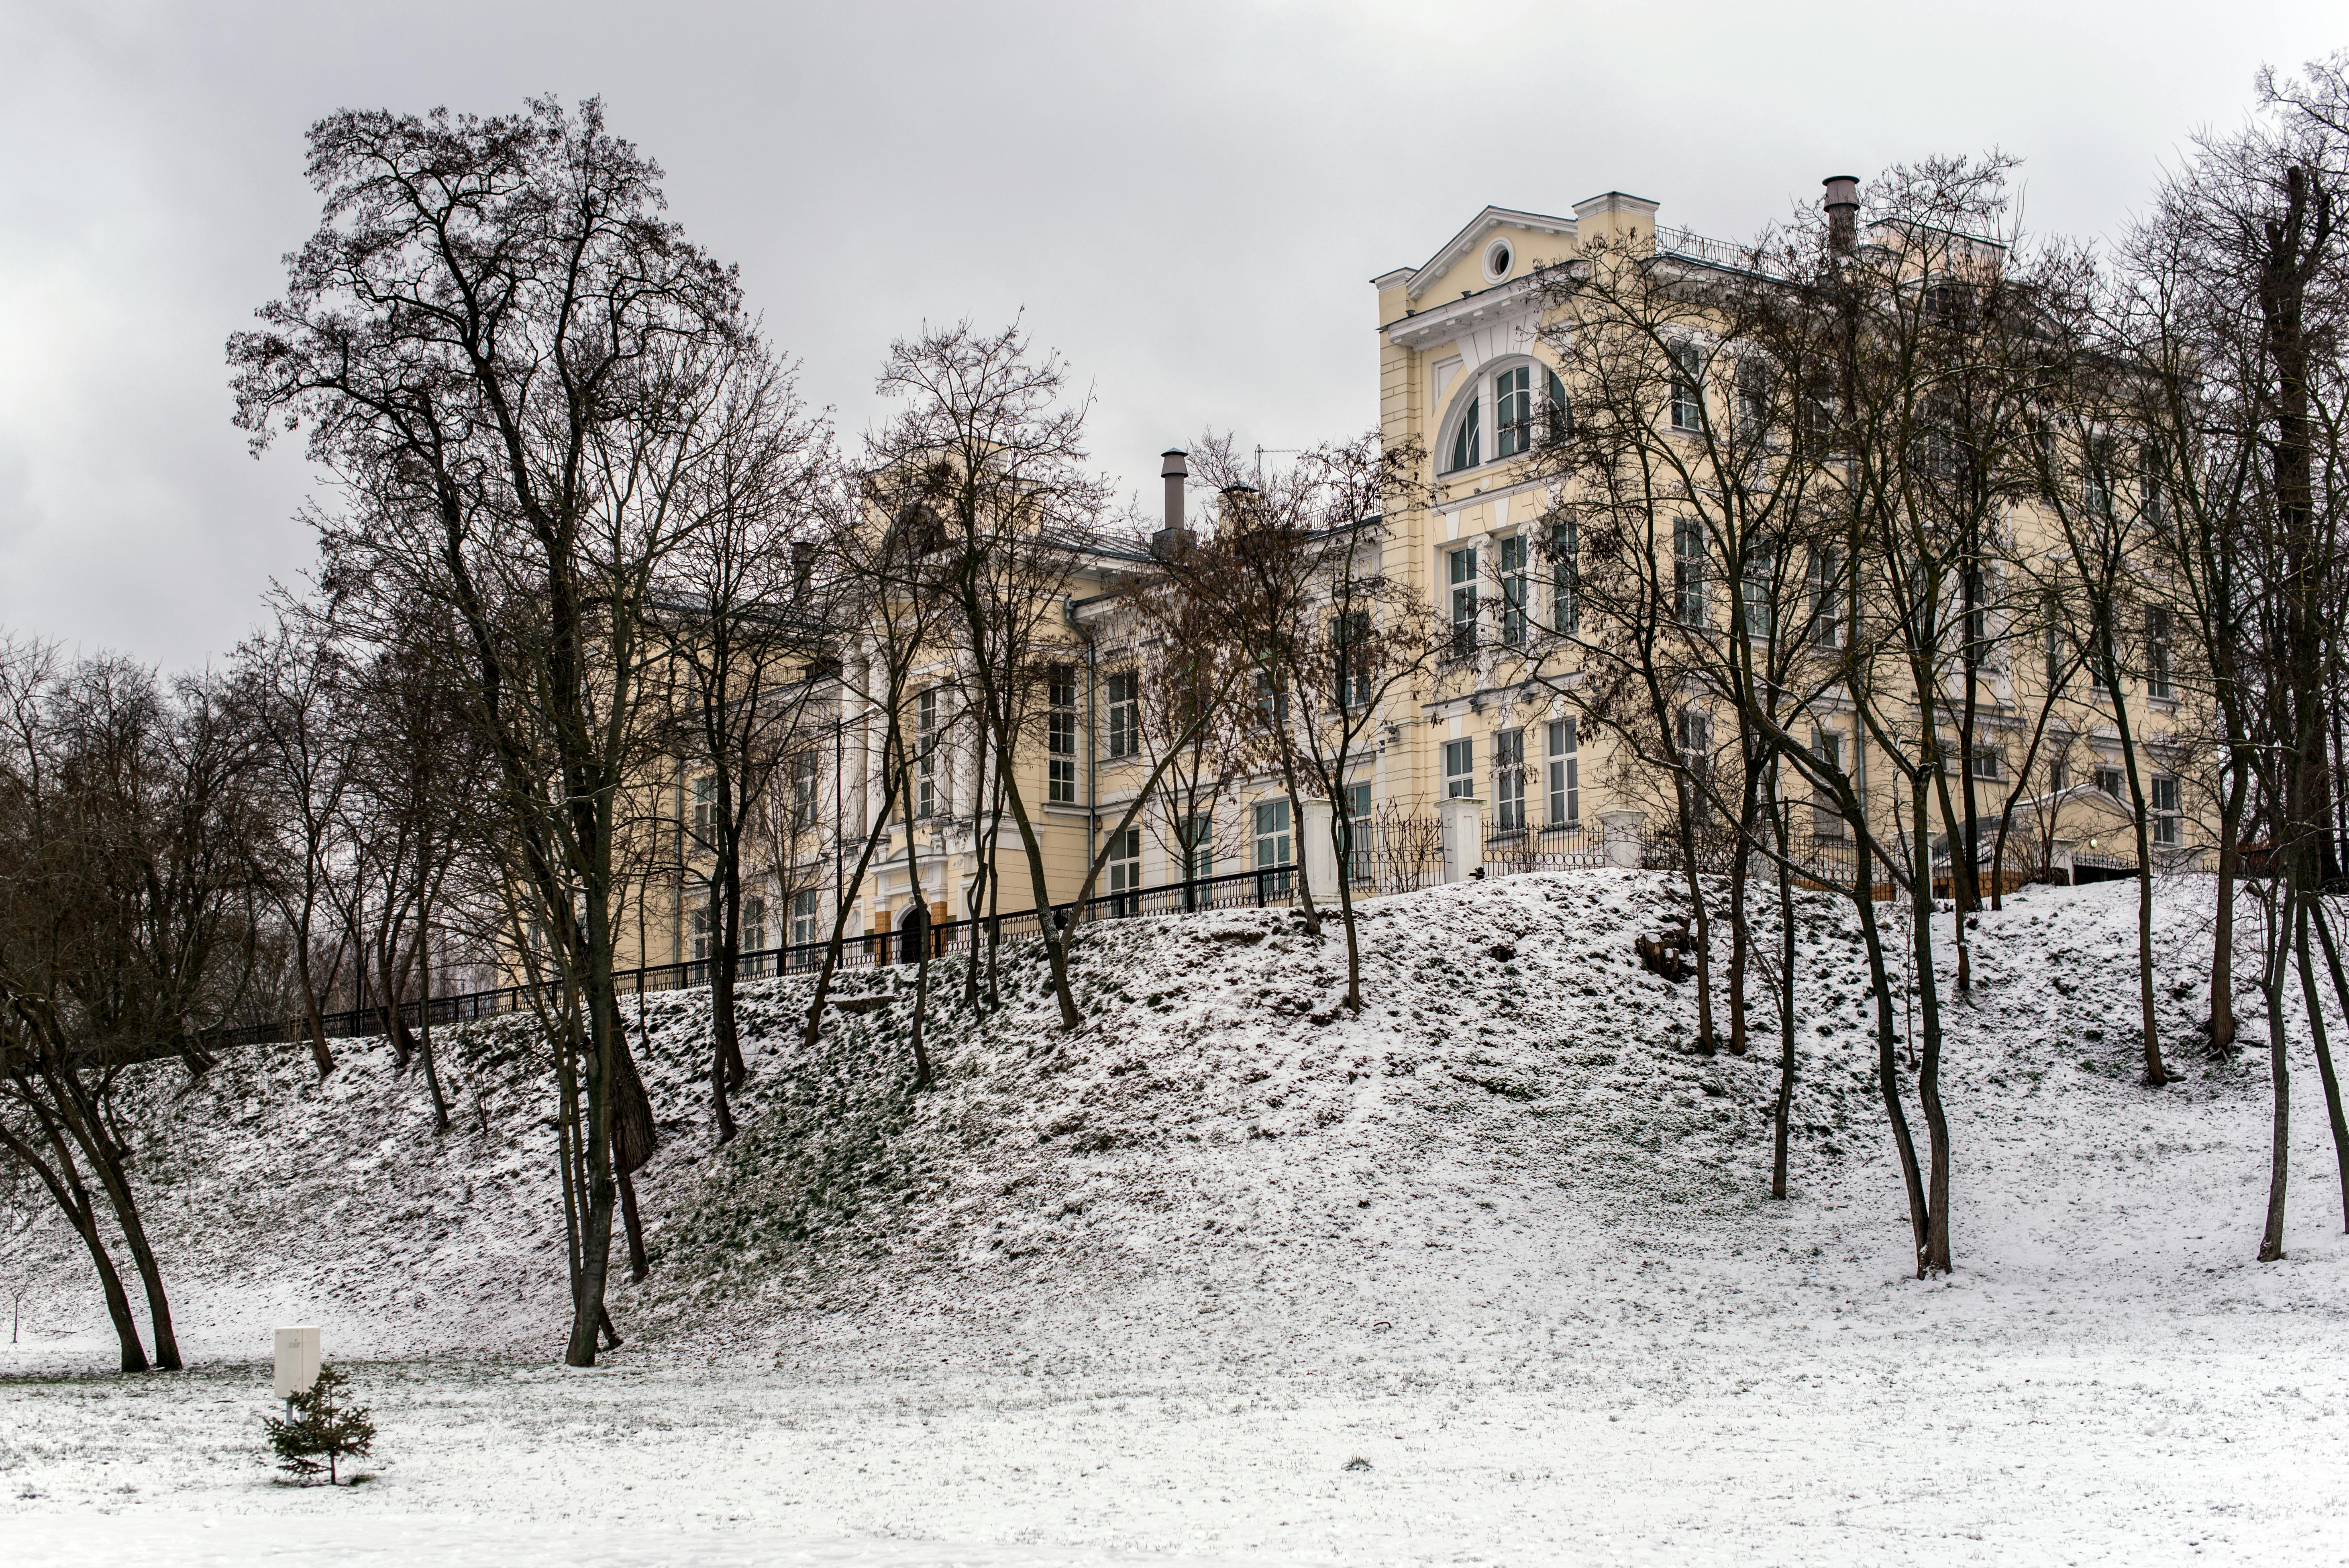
column 317, row 1427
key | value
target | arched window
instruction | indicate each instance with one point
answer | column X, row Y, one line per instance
column 1519, row 423
column 1466, row 444
column 1512, row 411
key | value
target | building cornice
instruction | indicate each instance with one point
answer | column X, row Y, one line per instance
column 1515, row 303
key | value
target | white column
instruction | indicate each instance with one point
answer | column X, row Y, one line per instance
column 1621, row 826
column 1317, row 854
column 1463, row 821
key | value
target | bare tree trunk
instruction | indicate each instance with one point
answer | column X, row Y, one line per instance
column 1341, row 841
column 640, row 1266
column 2155, row 1074
column 1700, row 918
column 1887, row 1050
column 1935, row 1258
column 918, row 931
column 313, row 1022
column 595, row 1235
column 2222, row 942
column 82, row 1120
column 2279, row 1076
column 1739, row 937
column 1783, row 1113
column 2317, row 1035
column 424, row 1042
column 66, row 1189
column 872, row 836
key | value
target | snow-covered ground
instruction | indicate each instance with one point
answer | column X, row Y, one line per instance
column 1486, row 1275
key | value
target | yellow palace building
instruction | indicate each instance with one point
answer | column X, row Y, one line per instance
column 1481, row 772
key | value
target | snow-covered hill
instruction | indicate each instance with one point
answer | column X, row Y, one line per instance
column 1485, row 1275
column 1516, row 1114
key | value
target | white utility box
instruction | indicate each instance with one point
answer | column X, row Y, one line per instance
column 297, row 1361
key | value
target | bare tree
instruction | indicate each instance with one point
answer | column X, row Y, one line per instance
column 128, row 928
column 285, row 689
column 513, row 360
column 743, row 626
column 1293, row 583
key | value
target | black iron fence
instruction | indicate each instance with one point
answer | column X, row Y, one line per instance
column 1565, row 846
column 1271, row 887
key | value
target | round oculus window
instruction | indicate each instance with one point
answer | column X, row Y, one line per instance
column 1498, row 258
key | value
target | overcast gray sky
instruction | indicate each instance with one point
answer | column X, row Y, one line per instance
column 1188, row 201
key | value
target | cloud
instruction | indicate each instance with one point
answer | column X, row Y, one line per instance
column 1186, row 203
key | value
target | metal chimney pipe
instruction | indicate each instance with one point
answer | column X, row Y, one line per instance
column 1843, row 211
column 1175, row 469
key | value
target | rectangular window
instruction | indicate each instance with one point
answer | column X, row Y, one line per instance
column 1827, row 818
column 698, row 933
column 1125, row 866
column 1565, row 568
column 1689, row 605
column 1462, row 570
column 754, row 925
column 802, row 775
column 1197, row 836
column 1688, row 392
column 1760, row 592
column 803, row 917
column 2097, row 483
column 704, row 809
column 1272, row 843
column 2059, row 775
column 2112, row 781
column 1827, row 597
column 1271, row 699
column 1753, row 399
column 1978, row 595
column 1509, row 781
column 1695, row 737
column 2156, row 654
column 1354, row 849
column 1125, row 714
column 2054, row 652
column 1513, row 411
column 1513, row 590
column 1061, row 736
column 1565, row 774
column 1988, row 762
column 1355, row 651
column 1460, row 769
column 925, row 753
column 2168, row 822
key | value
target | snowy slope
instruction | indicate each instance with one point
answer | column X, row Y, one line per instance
column 1485, row 1275
column 1516, row 1105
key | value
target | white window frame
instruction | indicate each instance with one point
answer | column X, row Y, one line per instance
column 2169, row 820
column 1124, row 715
column 1461, row 567
column 1565, row 773
column 1692, row 591
column 1274, row 842
column 1510, row 553
column 1061, row 736
column 1509, row 781
column 1688, row 387
column 1460, row 769
column 925, row 752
